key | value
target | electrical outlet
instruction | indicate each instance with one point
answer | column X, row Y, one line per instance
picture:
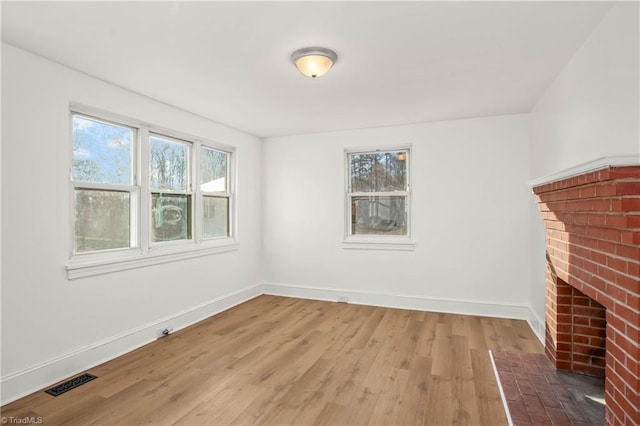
column 343, row 299
column 164, row 331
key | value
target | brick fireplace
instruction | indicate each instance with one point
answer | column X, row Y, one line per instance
column 592, row 315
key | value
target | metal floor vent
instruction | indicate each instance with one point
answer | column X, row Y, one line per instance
column 70, row 384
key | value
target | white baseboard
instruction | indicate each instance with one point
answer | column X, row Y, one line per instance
column 27, row 381
column 32, row 379
column 536, row 324
column 401, row 301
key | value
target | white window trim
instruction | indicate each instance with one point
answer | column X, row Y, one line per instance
column 376, row 242
column 80, row 267
column 149, row 253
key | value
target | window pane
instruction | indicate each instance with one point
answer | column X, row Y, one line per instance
column 215, row 217
column 101, row 152
column 102, row 220
column 379, row 215
column 213, row 170
column 379, row 172
column 169, row 164
column 170, row 217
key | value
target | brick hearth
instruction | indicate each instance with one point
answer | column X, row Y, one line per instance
column 593, row 274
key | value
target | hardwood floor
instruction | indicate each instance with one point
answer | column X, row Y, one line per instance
column 280, row 361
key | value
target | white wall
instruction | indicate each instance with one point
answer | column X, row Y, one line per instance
column 470, row 218
column 591, row 109
column 588, row 112
column 45, row 317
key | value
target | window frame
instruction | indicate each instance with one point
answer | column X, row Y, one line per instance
column 377, row 241
column 146, row 252
column 189, row 191
column 133, row 189
column 227, row 193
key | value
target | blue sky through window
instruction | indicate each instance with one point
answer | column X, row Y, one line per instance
column 101, row 152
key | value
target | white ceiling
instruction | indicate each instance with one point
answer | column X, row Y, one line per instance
column 398, row 62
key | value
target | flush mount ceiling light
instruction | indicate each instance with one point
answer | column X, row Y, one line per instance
column 314, row 61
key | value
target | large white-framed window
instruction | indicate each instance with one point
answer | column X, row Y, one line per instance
column 378, row 198
column 143, row 195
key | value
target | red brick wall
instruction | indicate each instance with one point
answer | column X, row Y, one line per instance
column 593, row 252
column 581, row 335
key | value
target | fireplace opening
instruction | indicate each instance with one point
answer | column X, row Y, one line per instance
column 582, row 332
column 580, row 353
column 589, row 394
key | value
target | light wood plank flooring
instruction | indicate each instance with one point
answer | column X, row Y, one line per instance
column 284, row 361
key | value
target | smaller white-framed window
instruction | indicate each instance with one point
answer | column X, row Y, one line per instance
column 378, row 198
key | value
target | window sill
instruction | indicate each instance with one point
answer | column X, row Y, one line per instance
column 378, row 243
column 90, row 265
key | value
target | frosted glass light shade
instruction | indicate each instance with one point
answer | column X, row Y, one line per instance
column 314, row 61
